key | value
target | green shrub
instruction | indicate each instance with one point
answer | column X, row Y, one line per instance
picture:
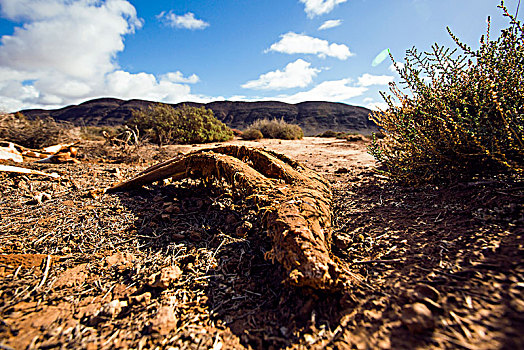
column 163, row 124
column 278, row 129
column 252, row 134
column 462, row 114
column 37, row 133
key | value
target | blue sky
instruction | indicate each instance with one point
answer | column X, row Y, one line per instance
column 59, row 52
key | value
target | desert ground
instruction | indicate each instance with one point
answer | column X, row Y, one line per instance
column 181, row 265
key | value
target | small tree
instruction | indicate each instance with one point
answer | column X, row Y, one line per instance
column 463, row 115
column 163, row 124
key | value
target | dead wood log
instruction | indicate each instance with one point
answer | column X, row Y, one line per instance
column 295, row 201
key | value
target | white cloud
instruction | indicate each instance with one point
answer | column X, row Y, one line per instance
column 376, row 106
column 399, row 65
column 187, row 21
column 295, row 74
column 65, row 52
column 319, row 7
column 178, row 77
column 146, row 86
column 369, row 79
column 332, row 23
column 79, row 38
column 331, row 91
column 293, row 43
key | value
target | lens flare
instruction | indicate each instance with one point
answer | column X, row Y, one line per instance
column 380, row 57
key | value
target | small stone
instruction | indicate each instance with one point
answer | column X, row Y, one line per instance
column 120, row 259
column 142, row 299
column 172, row 209
column 342, row 242
column 417, row 318
column 165, row 278
column 40, row 198
column 164, row 321
column 112, row 309
column 309, row 339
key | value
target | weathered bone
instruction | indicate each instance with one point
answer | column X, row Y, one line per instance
column 296, row 203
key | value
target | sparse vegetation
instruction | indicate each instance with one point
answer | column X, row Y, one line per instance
column 331, row 133
column 35, row 133
column 275, row 129
column 163, row 124
column 349, row 136
column 96, row 133
column 462, row 114
column 252, row 134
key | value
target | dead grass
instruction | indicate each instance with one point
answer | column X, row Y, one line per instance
column 106, row 251
column 36, row 133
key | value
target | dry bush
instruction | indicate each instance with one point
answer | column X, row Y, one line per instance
column 331, row 133
column 142, row 153
column 277, row 129
column 96, row 133
column 163, row 124
column 252, row 134
column 35, row 133
column 462, row 114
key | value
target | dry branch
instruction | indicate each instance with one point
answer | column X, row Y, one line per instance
column 295, row 201
column 20, row 170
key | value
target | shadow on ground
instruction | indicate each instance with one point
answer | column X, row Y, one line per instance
column 215, row 238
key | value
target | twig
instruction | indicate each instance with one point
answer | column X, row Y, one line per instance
column 377, row 261
column 17, row 272
column 109, row 291
column 111, row 338
column 457, row 319
column 46, row 272
column 42, row 238
column 441, row 272
column 6, row 347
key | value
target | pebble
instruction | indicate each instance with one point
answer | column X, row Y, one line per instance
column 417, row 318
column 165, row 320
column 40, row 198
column 142, row 299
column 165, row 278
column 112, row 309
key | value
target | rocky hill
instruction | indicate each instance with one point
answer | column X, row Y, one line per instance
column 313, row 117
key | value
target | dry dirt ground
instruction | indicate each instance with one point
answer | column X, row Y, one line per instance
column 182, row 265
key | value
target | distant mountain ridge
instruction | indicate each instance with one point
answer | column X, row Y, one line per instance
column 313, row 117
